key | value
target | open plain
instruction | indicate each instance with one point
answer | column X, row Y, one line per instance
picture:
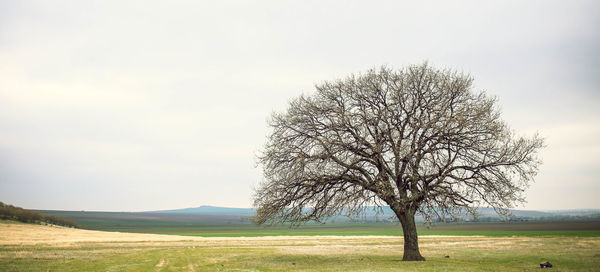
column 26, row 247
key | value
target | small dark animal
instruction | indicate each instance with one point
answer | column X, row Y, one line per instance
column 546, row 264
column 446, row 256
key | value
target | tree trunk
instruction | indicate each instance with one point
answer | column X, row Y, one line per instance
column 411, row 240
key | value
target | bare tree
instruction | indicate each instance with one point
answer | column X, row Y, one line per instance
column 416, row 139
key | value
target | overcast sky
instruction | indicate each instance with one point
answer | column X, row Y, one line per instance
column 144, row 105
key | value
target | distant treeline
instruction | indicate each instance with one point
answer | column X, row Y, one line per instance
column 10, row 212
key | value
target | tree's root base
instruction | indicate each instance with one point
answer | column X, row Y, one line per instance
column 413, row 259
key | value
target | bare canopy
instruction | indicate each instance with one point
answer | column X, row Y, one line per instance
column 416, row 139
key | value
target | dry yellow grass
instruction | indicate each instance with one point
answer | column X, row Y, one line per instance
column 30, row 234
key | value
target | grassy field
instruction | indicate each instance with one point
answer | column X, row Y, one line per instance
column 25, row 247
column 562, row 228
column 223, row 225
column 528, row 229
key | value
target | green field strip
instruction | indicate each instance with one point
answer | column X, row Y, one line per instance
column 569, row 233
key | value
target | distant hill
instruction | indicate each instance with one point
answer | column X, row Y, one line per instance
column 518, row 213
column 211, row 210
column 576, row 212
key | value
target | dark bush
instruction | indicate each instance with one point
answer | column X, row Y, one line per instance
column 10, row 212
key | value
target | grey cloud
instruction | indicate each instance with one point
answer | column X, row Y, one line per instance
column 163, row 105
